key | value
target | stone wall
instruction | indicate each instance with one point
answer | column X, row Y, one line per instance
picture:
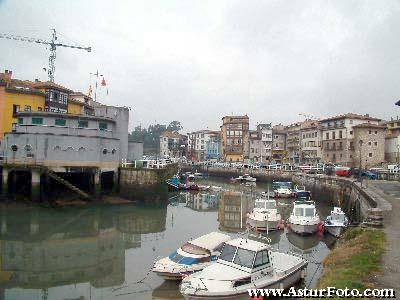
column 134, row 177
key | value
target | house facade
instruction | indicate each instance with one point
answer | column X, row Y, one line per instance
column 235, row 138
column 337, row 133
column 310, row 142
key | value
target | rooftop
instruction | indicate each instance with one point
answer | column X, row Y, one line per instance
column 171, row 134
column 351, row 116
column 369, row 125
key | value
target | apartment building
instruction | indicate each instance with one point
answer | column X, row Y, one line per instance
column 235, row 138
column 265, row 134
column 369, row 145
column 392, row 141
column 172, row 144
column 310, row 142
column 255, row 146
column 337, row 133
column 201, row 142
column 279, row 143
column 293, row 142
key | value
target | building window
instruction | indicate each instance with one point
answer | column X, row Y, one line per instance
column 327, row 135
column 39, row 108
column 369, row 131
column 27, row 108
column 113, row 151
column 20, row 121
column 15, row 109
column 83, row 124
column 369, row 143
column 102, row 126
column 14, row 148
column 370, row 154
column 333, row 135
column 340, row 134
column 28, row 148
column 60, row 122
column 105, row 151
column 376, row 132
column 37, row 121
column 376, row 143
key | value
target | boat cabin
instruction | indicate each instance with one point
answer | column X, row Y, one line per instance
column 304, row 209
column 247, row 255
column 338, row 215
column 265, row 204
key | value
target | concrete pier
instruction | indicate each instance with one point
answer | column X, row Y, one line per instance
column 35, row 185
column 4, row 181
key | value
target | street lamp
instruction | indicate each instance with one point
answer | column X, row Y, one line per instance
column 360, row 142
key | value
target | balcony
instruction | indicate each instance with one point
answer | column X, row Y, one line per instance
column 334, row 148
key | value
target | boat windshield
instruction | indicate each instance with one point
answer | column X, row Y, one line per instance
column 303, row 194
column 193, row 249
column 310, row 211
column 298, row 211
column 184, row 260
column 228, row 252
column 244, row 258
column 262, row 258
column 336, row 217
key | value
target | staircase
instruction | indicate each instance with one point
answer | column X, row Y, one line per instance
column 69, row 185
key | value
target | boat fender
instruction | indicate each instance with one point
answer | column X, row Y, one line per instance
column 321, row 227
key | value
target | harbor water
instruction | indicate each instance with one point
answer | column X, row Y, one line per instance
column 107, row 252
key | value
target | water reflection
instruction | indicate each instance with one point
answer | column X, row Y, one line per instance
column 41, row 248
column 202, row 201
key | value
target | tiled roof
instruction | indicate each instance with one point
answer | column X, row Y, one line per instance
column 49, row 84
column 369, row 125
column 351, row 116
column 171, row 134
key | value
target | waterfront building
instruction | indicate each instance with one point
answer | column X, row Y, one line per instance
column 392, row 141
column 255, row 146
column 293, row 143
column 17, row 95
column 79, row 103
column 279, row 144
column 310, row 142
column 369, row 142
column 265, row 133
column 213, row 147
column 172, row 144
column 56, row 96
column 235, row 138
column 338, row 145
column 197, row 144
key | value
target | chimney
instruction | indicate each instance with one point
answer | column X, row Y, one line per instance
column 36, row 80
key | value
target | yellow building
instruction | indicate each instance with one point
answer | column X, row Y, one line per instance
column 16, row 95
column 235, row 138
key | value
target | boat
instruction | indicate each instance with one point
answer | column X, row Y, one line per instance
column 192, row 257
column 265, row 216
column 184, row 182
column 337, row 222
column 244, row 178
column 283, row 192
column 198, row 175
column 244, row 264
column 174, row 183
column 304, row 218
column 303, row 195
column 281, row 184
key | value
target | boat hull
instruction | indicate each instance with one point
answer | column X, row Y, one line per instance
column 336, row 231
column 284, row 283
column 304, row 229
column 170, row 276
column 262, row 225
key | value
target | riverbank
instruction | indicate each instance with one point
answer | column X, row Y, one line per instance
column 355, row 260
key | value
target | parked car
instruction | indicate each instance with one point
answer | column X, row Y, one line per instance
column 364, row 173
column 343, row 172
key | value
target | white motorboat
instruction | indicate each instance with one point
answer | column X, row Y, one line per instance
column 265, row 216
column 283, row 192
column 245, row 178
column 304, row 218
column 336, row 222
column 243, row 264
column 191, row 257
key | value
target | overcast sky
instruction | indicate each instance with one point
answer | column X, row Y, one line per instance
column 196, row 61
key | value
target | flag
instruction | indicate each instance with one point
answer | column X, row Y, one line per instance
column 103, row 82
column 90, row 91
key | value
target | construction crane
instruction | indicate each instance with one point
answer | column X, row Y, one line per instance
column 307, row 116
column 53, row 43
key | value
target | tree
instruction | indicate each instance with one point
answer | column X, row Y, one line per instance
column 175, row 126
